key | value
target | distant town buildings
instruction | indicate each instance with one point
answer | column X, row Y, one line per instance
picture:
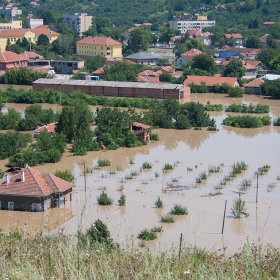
column 35, row 22
column 187, row 22
column 102, row 46
column 11, row 13
column 79, row 22
column 30, row 34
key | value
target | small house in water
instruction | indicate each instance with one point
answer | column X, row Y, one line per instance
column 142, row 131
column 31, row 190
column 49, row 128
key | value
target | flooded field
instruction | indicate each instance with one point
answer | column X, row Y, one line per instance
column 190, row 152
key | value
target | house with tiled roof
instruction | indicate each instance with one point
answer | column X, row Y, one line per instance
column 148, row 76
column 97, row 45
column 49, row 128
column 248, row 53
column 31, row 190
column 99, row 72
column 238, row 39
column 30, row 34
column 10, row 59
column 254, row 87
column 141, row 130
column 187, row 56
column 211, row 81
column 143, row 58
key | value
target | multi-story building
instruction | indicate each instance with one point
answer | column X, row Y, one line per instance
column 15, row 24
column 102, row 46
column 66, row 66
column 10, row 13
column 30, row 34
column 79, row 22
column 187, row 22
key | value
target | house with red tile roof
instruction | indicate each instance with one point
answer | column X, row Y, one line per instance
column 148, row 76
column 254, row 87
column 187, row 56
column 49, row 128
column 10, row 59
column 99, row 72
column 238, row 39
column 248, row 53
column 31, row 190
column 141, row 130
column 98, row 45
column 211, row 81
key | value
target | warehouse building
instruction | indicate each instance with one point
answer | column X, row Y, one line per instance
column 115, row 89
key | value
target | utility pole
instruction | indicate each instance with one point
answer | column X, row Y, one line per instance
column 85, row 176
column 257, row 192
column 224, row 217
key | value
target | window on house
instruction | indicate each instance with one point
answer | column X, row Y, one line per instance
column 101, row 48
column 101, row 53
column 108, row 48
column 108, row 53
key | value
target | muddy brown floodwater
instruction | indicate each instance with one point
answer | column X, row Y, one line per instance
column 186, row 150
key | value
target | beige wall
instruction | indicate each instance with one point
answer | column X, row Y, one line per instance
column 94, row 50
column 16, row 24
column 30, row 36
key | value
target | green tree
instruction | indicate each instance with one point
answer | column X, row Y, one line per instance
column 271, row 88
column 253, row 42
column 266, row 55
column 66, row 123
column 235, row 68
column 195, row 44
column 66, row 175
column 166, row 35
column 43, row 40
column 121, row 71
column 140, row 39
column 93, row 63
column 204, row 62
column 165, row 77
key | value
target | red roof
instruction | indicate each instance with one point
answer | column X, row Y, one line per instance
column 195, row 32
column 8, row 56
column 148, row 73
column 189, row 55
column 99, row 41
column 143, row 126
column 99, row 71
column 48, row 127
column 36, row 184
column 21, row 32
column 210, row 80
column 42, row 26
column 168, row 69
column 255, row 83
column 235, row 36
column 29, row 55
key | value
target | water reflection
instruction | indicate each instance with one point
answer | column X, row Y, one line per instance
column 238, row 226
column 248, row 133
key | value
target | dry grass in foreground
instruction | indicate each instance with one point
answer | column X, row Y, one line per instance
column 91, row 256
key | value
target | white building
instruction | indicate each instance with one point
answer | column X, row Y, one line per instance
column 79, row 22
column 35, row 22
column 188, row 22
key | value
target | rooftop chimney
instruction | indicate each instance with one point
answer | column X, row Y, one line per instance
column 22, row 177
column 7, row 179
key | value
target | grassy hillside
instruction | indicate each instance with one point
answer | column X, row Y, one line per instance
column 61, row 257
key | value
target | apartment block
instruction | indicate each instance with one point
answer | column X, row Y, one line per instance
column 15, row 24
column 79, row 22
column 10, row 13
column 188, row 22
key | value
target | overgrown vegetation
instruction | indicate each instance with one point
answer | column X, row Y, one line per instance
column 103, row 162
column 244, row 108
column 179, row 210
column 167, row 218
column 247, row 121
column 104, row 199
column 238, row 208
column 66, row 175
column 122, row 200
column 159, row 203
column 147, row 235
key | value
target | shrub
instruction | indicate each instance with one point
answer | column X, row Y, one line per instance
column 157, row 229
column 147, row 165
column 247, row 121
column 167, row 218
column 103, row 199
column 122, row 200
column 239, row 167
column 99, row 233
column 235, row 92
column 239, row 208
column 276, row 122
column 159, row 203
column 66, row 175
column 104, row 162
column 167, row 166
column 245, row 185
column 214, row 169
column 154, row 137
column 147, row 235
column 179, row 210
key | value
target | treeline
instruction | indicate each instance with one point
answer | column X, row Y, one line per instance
column 224, row 88
column 21, row 76
column 244, row 108
column 247, row 121
column 34, row 116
